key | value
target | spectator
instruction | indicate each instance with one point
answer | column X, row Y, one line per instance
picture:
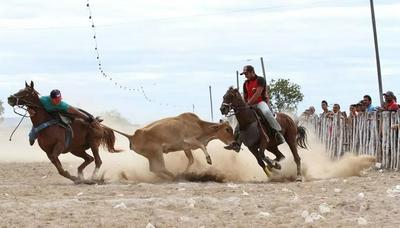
column 361, row 108
column 324, row 106
column 368, row 104
column 390, row 102
column 336, row 110
column 352, row 111
column 311, row 110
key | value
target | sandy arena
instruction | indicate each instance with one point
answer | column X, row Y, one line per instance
column 33, row 194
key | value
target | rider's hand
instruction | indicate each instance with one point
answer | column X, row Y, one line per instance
column 90, row 119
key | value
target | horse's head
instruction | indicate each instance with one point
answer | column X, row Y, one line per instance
column 231, row 100
column 25, row 97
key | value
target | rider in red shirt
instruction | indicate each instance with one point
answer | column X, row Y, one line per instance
column 255, row 94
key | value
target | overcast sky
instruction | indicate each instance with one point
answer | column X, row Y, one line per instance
column 176, row 49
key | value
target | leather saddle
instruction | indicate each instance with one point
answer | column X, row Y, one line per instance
column 260, row 116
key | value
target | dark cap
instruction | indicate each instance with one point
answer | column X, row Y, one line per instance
column 389, row 93
column 55, row 93
column 247, row 68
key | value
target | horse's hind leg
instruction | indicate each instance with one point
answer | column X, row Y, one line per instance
column 297, row 160
column 88, row 159
column 97, row 161
column 278, row 154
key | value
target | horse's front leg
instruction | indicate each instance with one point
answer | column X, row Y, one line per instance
column 53, row 156
column 267, row 169
column 271, row 163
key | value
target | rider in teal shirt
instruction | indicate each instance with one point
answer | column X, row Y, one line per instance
column 54, row 103
column 52, row 107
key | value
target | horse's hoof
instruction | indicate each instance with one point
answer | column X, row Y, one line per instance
column 88, row 182
column 299, row 179
column 280, row 159
column 78, row 181
column 267, row 171
column 99, row 181
column 276, row 165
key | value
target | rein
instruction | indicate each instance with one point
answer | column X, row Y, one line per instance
column 236, row 109
column 23, row 115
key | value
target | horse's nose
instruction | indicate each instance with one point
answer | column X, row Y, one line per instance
column 222, row 109
column 11, row 100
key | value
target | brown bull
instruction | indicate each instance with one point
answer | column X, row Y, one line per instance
column 185, row 132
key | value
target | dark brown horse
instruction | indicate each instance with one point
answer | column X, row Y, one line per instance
column 254, row 134
column 52, row 139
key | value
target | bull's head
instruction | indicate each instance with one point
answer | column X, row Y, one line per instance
column 224, row 132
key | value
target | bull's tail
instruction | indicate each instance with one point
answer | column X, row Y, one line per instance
column 119, row 132
column 301, row 138
column 108, row 140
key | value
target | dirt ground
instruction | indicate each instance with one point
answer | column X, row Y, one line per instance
column 33, row 194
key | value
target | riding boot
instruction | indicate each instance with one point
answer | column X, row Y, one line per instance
column 233, row 146
column 279, row 137
column 32, row 137
column 237, row 143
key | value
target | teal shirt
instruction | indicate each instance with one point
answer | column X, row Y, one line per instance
column 50, row 107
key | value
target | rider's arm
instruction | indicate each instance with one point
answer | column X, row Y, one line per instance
column 77, row 113
column 256, row 95
column 245, row 96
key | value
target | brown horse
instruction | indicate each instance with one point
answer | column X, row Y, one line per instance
column 254, row 135
column 52, row 139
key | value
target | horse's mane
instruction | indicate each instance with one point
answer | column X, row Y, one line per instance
column 236, row 92
column 233, row 89
column 35, row 92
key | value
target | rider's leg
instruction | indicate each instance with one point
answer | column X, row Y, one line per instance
column 271, row 121
column 237, row 143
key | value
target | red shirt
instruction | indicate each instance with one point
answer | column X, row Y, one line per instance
column 392, row 106
column 250, row 87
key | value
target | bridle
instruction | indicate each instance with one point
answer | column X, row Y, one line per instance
column 236, row 108
column 25, row 107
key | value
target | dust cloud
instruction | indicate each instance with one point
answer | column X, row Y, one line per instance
column 228, row 166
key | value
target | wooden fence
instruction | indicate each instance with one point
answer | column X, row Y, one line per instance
column 373, row 134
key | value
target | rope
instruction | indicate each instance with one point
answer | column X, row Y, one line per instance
column 116, row 83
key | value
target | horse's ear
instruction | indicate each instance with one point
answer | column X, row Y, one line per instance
column 26, row 84
column 32, row 84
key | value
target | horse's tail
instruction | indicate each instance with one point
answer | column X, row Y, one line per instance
column 301, row 138
column 108, row 140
